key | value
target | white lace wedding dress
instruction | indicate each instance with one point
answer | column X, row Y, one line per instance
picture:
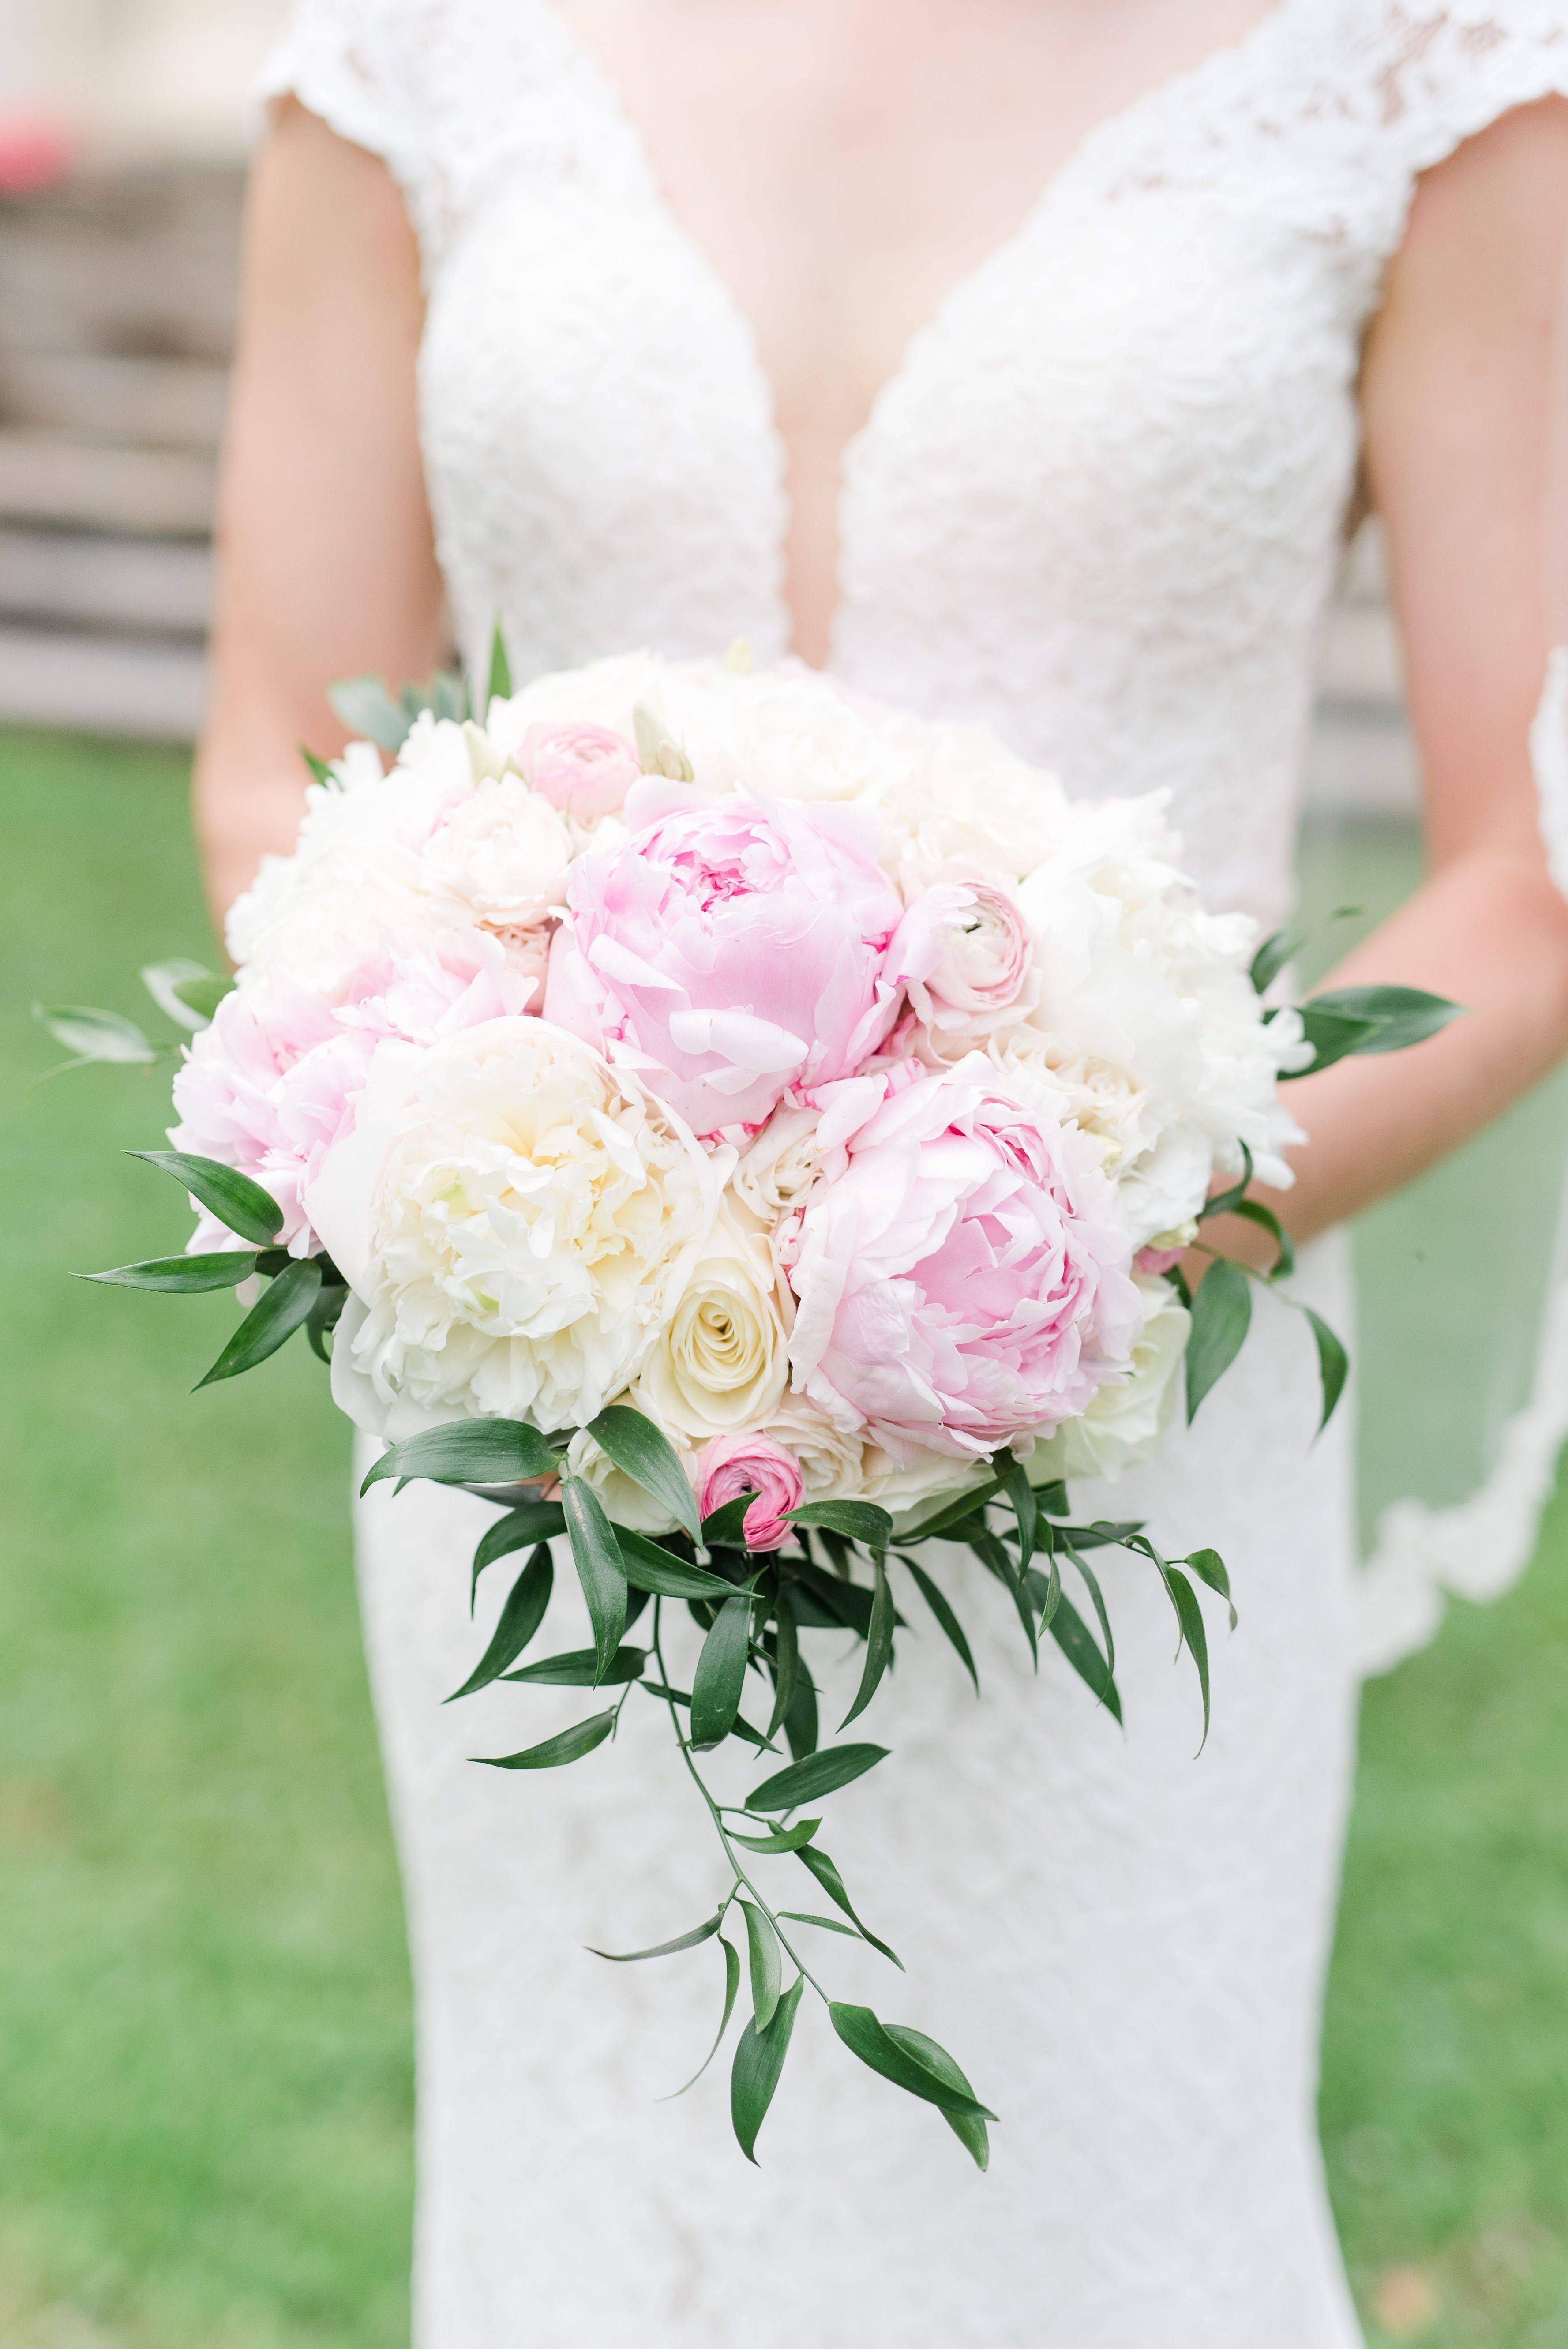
column 1099, row 504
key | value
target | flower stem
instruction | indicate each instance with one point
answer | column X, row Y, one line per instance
column 741, row 1878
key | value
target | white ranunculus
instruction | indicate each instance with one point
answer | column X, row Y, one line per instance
column 517, row 1222
column 501, row 856
column 1125, row 1424
column 721, row 1360
column 625, row 1501
column 780, row 1166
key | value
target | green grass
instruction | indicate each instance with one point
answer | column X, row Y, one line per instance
column 205, row 2058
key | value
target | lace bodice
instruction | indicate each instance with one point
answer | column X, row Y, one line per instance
column 1100, row 504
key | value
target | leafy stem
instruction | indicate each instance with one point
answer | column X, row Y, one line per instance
column 741, row 1878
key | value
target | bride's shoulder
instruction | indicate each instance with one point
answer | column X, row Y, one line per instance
column 439, row 88
column 1419, row 77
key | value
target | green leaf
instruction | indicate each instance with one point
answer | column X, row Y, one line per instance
column 936, row 1600
column 1331, row 1035
column 1266, row 1220
column 860, row 1521
column 758, row 2060
column 323, row 1319
column 1221, row 1315
column 783, row 1839
column 1333, row 1365
column 786, row 1662
column 182, row 1276
column 95, row 1035
column 1190, row 1616
column 498, row 687
column 367, row 708
column 720, row 1673
column 530, row 1522
column 833, row 1884
column 967, row 2127
column 800, row 1720
column 320, row 772
column 766, row 1965
column 725, row 1528
column 1020, row 1493
column 1226, row 1202
column 571, row 1745
column 163, row 981
column 731, row 1984
column 1097, row 1597
column 469, row 1452
column 692, row 1941
column 1210, row 1568
column 818, row 1775
column 1271, row 959
column 848, row 1603
column 225, row 1193
column 277, row 1313
column 826, row 1924
column 652, row 1568
column 742, row 1729
column 579, row 1667
column 597, row 1558
column 952, row 1514
column 519, row 1619
column 904, row 2065
column 1397, row 1017
column 448, row 696
column 642, row 1453
column 1104, row 1534
column 1072, row 1636
column 992, row 1553
column 878, row 1644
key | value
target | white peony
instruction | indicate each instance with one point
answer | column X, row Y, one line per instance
column 1125, row 1424
column 781, row 1164
column 962, row 794
column 720, row 1363
column 517, row 1223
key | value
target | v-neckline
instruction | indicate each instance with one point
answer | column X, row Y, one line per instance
column 1098, row 137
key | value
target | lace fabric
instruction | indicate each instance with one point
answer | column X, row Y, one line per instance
column 1099, row 504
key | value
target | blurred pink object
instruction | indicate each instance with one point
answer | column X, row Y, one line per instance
column 36, row 151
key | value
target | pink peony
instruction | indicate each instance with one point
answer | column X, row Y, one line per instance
column 963, row 951
column 1156, row 1260
column 731, row 948
column 733, row 1465
column 584, row 771
column 272, row 1083
column 961, row 1271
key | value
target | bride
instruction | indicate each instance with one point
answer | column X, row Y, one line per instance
column 1025, row 360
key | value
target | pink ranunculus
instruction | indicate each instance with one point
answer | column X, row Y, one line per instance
column 962, row 1273
column 272, row 1083
column 963, row 951
column 733, row 1465
column 730, row 948
column 584, row 771
column 1156, row 1260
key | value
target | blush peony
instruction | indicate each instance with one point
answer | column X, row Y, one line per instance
column 731, row 948
column 961, row 1274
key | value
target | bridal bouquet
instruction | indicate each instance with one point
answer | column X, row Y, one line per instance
column 753, row 1136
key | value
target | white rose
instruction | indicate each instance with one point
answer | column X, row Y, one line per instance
column 1126, row 1424
column 625, row 1501
column 501, row 856
column 517, row 1223
column 720, row 1363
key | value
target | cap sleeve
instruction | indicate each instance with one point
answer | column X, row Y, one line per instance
column 371, row 71
column 1443, row 73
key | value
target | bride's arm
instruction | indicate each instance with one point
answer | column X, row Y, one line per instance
column 326, row 561
column 1455, row 400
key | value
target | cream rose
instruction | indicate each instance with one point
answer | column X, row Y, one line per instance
column 517, row 1223
column 780, row 1166
column 722, row 1361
